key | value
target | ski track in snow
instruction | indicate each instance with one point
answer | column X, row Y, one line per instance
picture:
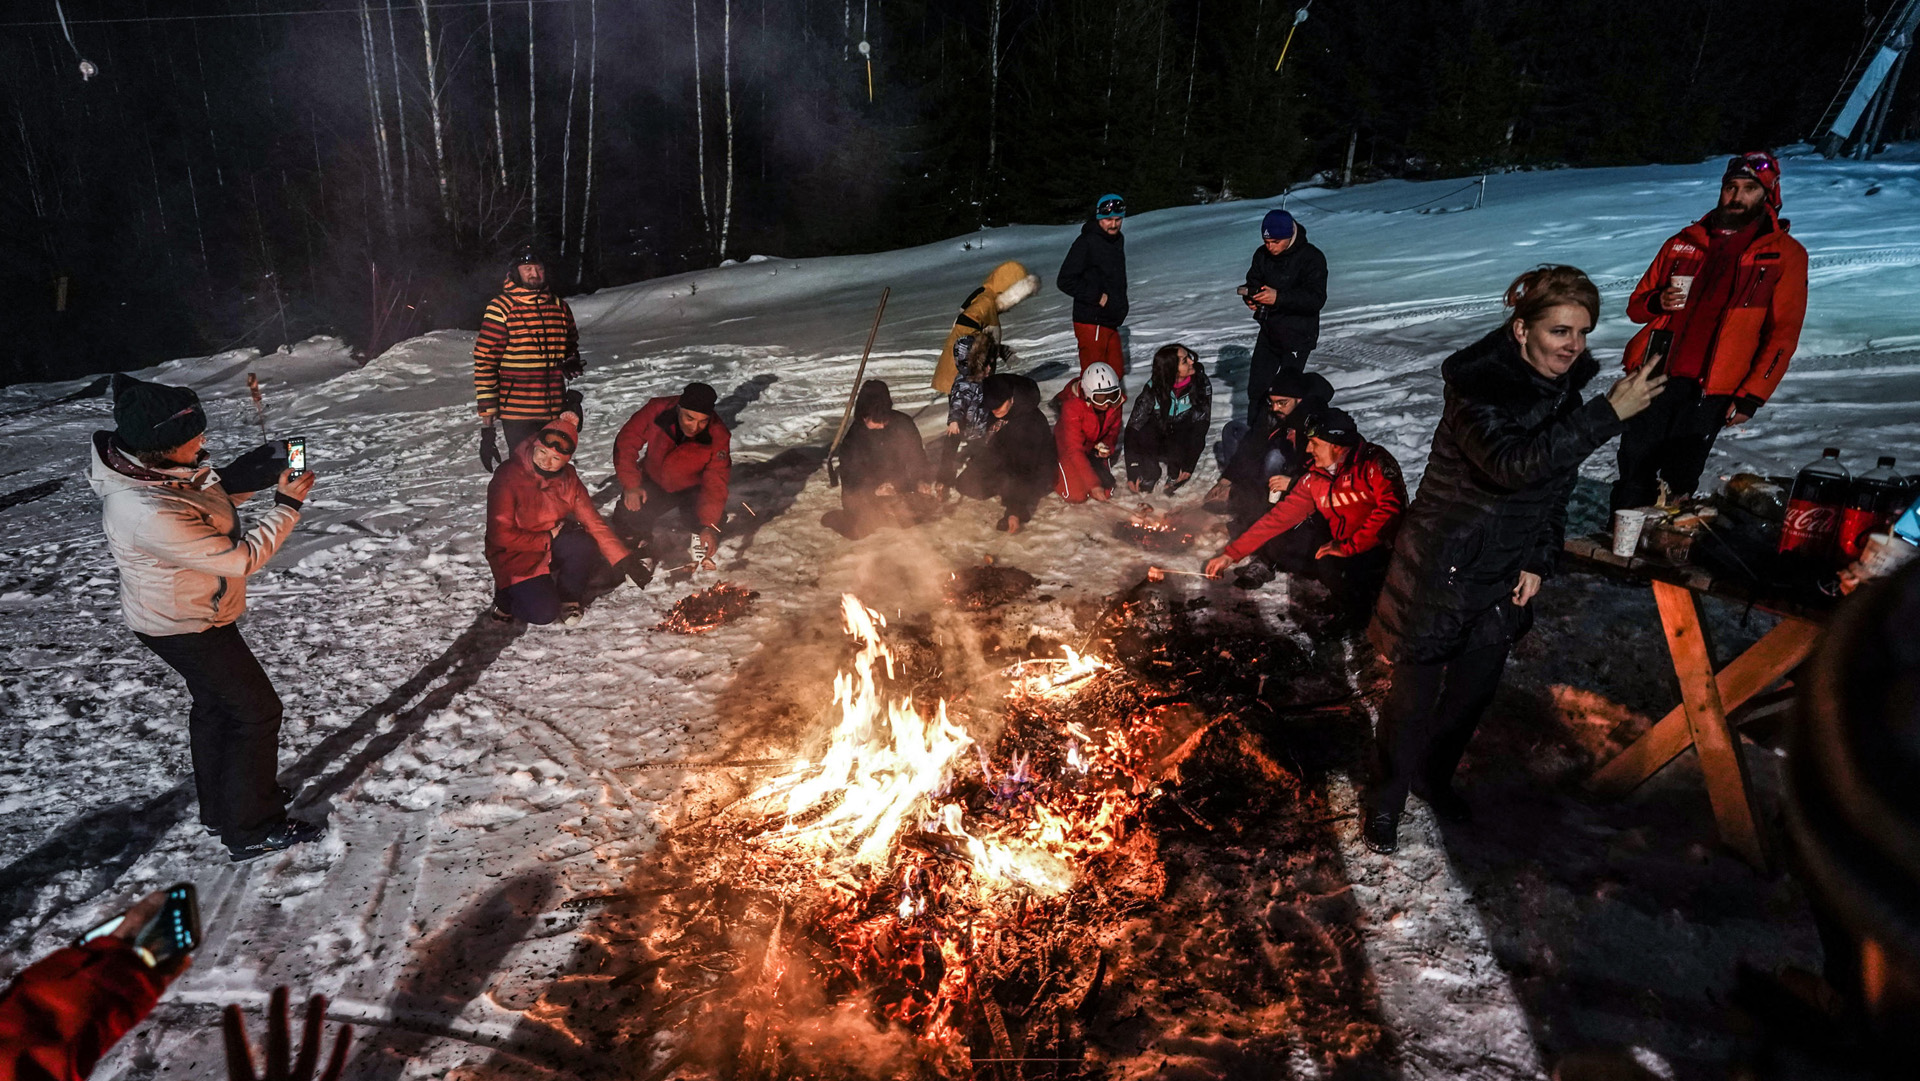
column 476, row 778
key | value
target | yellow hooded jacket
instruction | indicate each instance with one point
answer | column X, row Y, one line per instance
column 1007, row 285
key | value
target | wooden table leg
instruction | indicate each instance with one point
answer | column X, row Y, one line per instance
column 1778, row 652
column 1713, row 738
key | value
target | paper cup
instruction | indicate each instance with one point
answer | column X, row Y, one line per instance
column 1627, row 526
column 1884, row 554
column 1684, row 283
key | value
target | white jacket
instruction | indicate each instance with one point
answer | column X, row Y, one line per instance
column 183, row 557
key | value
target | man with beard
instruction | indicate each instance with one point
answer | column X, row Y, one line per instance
column 1723, row 302
column 525, row 354
column 1094, row 274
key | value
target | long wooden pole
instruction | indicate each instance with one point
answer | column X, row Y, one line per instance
column 833, row 479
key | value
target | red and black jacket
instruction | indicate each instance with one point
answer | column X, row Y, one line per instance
column 1361, row 503
column 652, row 444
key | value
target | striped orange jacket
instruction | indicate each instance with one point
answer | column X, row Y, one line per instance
column 525, row 337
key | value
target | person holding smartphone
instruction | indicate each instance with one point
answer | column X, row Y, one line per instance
column 1285, row 289
column 1484, row 530
column 1722, row 302
column 184, row 556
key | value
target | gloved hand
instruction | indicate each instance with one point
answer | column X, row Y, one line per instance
column 489, row 449
column 572, row 368
column 257, row 469
column 637, row 569
column 571, row 402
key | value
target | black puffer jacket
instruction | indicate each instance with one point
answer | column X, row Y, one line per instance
column 1096, row 264
column 1018, row 462
column 870, row 457
column 1184, row 436
column 1299, row 280
column 1492, row 504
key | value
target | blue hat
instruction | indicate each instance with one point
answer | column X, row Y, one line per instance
column 1277, row 225
column 1109, row 206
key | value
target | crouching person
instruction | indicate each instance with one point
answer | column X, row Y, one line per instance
column 546, row 543
column 673, row 455
column 1354, row 485
column 884, row 476
column 184, row 558
column 1168, row 428
column 1016, row 463
column 1089, row 433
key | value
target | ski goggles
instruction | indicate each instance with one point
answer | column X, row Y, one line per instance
column 1104, row 398
column 1757, row 163
column 1110, row 207
column 556, row 441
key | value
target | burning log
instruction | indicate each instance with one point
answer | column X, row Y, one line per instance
column 702, row 611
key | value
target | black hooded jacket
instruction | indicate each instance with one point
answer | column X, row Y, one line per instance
column 1298, row 277
column 1493, row 501
column 893, row 454
column 1018, row 461
column 1181, row 438
column 1096, row 264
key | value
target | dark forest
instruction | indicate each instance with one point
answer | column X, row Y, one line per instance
column 258, row 171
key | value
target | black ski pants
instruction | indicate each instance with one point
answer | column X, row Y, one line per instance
column 1429, row 718
column 233, row 731
column 1291, row 552
column 1670, row 441
column 576, row 562
column 636, row 526
column 1355, row 581
column 1269, row 357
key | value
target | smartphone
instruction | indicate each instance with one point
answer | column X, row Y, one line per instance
column 1659, row 344
column 174, row 930
column 297, row 455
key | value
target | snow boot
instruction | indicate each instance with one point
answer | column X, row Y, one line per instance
column 1381, row 830
column 570, row 612
column 1255, row 574
column 288, row 833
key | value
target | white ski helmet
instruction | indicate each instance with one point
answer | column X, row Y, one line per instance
column 1100, row 379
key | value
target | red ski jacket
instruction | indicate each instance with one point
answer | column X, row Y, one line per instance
column 64, row 1011
column 524, row 508
column 1361, row 503
column 652, row 444
column 1080, row 427
column 1757, row 332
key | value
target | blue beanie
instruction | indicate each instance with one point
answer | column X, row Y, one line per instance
column 1277, row 225
column 1119, row 204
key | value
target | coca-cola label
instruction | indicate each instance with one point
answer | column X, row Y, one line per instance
column 1809, row 527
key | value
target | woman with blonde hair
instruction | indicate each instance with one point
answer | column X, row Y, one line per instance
column 1483, row 531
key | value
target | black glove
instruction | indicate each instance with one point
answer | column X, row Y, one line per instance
column 489, row 449
column 257, row 469
column 636, row 569
column 572, row 368
column 571, row 402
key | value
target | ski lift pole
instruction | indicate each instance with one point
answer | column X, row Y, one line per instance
column 1298, row 18
column 833, row 477
column 866, row 53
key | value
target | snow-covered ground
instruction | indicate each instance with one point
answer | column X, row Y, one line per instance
column 478, row 779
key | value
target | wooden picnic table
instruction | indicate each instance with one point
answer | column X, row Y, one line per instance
column 1701, row 719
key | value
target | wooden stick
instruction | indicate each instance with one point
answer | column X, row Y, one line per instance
column 833, row 478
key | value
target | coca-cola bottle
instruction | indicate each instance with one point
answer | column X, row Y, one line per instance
column 1875, row 500
column 1811, row 529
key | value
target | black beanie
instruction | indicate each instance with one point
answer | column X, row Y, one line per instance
column 1336, row 427
column 153, row 416
column 998, row 390
column 875, row 400
column 1288, row 383
column 698, row 398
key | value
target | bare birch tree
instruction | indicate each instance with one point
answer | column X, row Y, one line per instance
column 434, row 88
column 533, row 134
column 382, row 163
column 566, row 132
column 993, row 87
column 400, row 119
column 726, row 97
column 700, row 125
column 586, row 198
column 493, row 69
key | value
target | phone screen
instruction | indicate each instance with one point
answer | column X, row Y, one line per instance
column 175, row 929
column 297, row 455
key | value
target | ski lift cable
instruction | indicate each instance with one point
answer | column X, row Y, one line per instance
column 63, row 22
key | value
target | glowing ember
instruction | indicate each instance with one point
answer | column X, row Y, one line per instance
column 1153, row 531
column 1049, row 678
column 698, row 613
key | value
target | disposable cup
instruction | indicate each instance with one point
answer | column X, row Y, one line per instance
column 1884, row 554
column 1627, row 526
column 1684, row 283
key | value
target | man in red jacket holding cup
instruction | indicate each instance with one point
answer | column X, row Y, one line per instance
column 673, row 455
column 1356, row 486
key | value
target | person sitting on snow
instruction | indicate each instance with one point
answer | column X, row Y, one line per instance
column 967, row 418
column 979, row 318
column 1088, row 434
column 1265, row 462
column 884, row 477
column 184, row 555
column 673, row 455
column 546, row 543
column 1016, row 464
column 1168, row 428
column 1356, row 487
